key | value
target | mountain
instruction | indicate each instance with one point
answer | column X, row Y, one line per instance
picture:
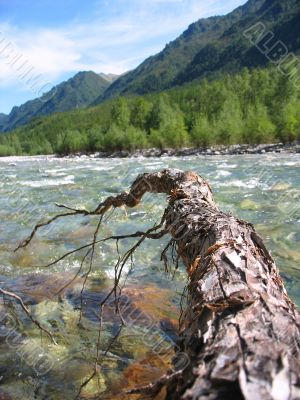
column 3, row 120
column 78, row 92
column 208, row 48
column 211, row 46
column 254, row 106
column 109, row 77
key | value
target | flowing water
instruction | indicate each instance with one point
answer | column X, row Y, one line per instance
column 263, row 189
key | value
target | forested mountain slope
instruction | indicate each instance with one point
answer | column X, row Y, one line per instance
column 253, row 106
column 79, row 91
column 213, row 46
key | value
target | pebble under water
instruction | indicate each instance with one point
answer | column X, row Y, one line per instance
column 263, row 189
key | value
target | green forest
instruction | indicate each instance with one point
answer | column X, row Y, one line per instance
column 254, row 106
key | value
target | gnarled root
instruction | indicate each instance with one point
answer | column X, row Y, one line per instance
column 239, row 329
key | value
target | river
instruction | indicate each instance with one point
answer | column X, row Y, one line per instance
column 263, row 189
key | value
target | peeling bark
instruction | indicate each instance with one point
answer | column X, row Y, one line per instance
column 239, row 327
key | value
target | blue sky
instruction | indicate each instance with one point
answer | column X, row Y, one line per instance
column 47, row 41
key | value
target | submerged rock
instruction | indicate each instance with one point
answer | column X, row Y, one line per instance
column 151, row 323
column 249, row 204
column 142, row 372
column 35, row 288
column 4, row 395
column 281, row 186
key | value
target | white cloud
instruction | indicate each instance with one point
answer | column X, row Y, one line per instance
column 109, row 45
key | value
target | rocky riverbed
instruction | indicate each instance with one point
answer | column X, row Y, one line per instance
column 189, row 151
column 263, row 189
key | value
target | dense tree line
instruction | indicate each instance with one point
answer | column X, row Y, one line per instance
column 254, row 106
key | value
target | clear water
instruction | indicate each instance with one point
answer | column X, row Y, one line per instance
column 263, row 189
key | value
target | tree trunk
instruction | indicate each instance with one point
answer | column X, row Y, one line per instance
column 239, row 328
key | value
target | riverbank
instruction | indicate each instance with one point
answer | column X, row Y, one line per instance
column 210, row 151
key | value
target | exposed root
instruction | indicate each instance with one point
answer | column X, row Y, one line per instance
column 26, row 242
column 225, row 299
column 27, row 312
column 154, row 388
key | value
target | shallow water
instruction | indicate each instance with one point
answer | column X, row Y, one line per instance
column 264, row 189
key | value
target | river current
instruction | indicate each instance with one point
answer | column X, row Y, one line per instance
column 263, row 189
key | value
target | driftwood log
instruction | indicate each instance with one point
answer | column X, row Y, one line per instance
column 239, row 329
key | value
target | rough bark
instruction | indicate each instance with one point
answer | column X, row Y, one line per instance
column 239, row 328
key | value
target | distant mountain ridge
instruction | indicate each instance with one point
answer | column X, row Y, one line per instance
column 208, row 48
column 212, row 45
column 79, row 91
column 109, row 77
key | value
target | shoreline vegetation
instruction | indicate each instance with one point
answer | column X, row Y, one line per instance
column 254, row 107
